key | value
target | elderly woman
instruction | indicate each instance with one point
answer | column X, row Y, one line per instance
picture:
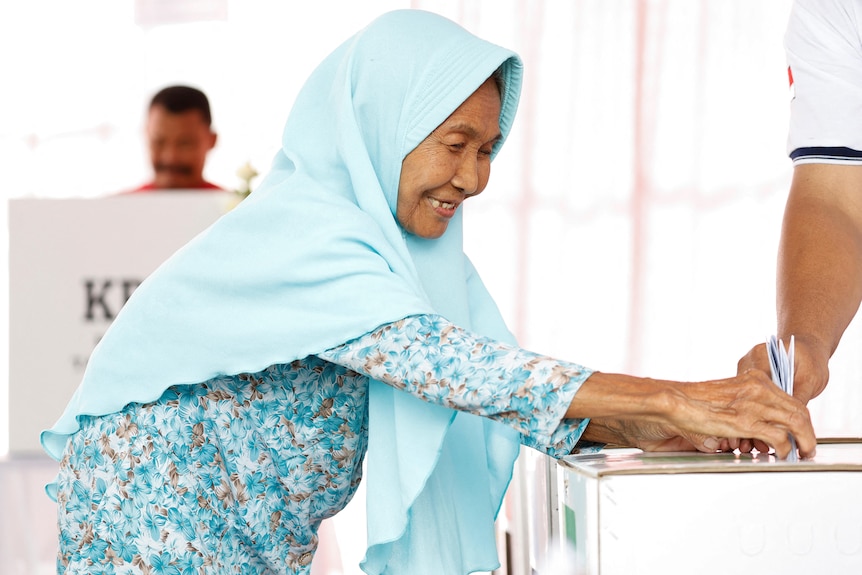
column 227, row 411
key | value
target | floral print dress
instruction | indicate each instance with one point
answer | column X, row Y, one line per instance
column 235, row 474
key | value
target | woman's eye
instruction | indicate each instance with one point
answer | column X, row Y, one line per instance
column 456, row 146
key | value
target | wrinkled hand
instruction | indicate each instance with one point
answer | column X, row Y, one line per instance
column 646, row 435
column 811, row 373
column 655, row 437
column 687, row 416
column 750, row 401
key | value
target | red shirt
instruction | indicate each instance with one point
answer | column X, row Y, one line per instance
column 151, row 187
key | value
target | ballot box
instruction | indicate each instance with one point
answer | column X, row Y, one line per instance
column 628, row 512
column 73, row 263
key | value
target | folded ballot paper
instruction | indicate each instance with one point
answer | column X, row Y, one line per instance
column 781, row 366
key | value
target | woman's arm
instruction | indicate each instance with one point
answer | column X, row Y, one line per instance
column 555, row 403
column 657, row 414
column 439, row 362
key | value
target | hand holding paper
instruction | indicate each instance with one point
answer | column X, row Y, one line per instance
column 781, row 366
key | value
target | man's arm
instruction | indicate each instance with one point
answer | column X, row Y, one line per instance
column 819, row 281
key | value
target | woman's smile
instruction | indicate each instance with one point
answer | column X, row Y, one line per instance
column 445, row 209
column 452, row 164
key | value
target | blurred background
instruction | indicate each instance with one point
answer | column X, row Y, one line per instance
column 631, row 221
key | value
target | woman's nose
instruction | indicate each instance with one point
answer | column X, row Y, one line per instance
column 466, row 176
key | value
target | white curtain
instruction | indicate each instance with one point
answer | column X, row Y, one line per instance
column 632, row 221
column 630, row 224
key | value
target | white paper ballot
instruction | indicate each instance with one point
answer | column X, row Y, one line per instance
column 781, row 366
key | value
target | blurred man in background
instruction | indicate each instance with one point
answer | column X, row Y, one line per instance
column 179, row 136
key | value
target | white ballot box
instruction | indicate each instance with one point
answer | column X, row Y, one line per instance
column 626, row 513
column 73, row 263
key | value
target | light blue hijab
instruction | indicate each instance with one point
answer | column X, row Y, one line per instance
column 314, row 258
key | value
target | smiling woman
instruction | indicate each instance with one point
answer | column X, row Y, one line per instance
column 452, row 164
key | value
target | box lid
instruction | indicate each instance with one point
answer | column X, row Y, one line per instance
column 837, row 456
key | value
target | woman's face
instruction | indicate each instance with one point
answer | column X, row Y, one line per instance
column 452, row 164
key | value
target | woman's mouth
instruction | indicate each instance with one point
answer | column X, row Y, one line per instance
column 444, row 205
column 445, row 210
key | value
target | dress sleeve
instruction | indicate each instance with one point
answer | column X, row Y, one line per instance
column 439, row 362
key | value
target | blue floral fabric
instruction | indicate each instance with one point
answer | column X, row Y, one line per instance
column 439, row 362
column 234, row 475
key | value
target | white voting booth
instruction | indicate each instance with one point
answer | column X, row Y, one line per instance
column 72, row 265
